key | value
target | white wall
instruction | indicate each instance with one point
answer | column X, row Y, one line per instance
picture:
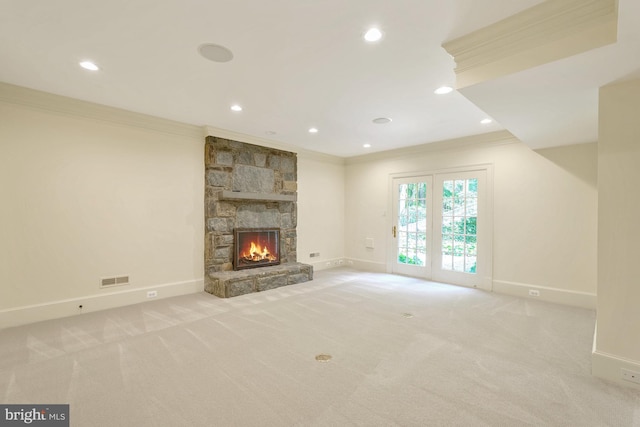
column 90, row 191
column 320, row 210
column 617, row 345
column 84, row 198
column 545, row 211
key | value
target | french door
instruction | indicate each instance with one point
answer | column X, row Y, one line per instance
column 412, row 229
column 441, row 229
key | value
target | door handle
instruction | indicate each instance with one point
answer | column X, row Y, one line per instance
column 394, row 231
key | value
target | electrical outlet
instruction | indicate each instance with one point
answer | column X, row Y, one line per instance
column 534, row 293
column 632, row 376
column 152, row 294
column 314, row 254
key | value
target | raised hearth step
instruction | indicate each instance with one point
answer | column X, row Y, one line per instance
column 226, row 284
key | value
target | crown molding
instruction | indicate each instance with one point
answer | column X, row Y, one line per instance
column 250, row 139
column 74, row 107
column 547, row 32
column 484, row 140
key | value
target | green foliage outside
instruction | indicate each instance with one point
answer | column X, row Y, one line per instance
column 404, row 259
column 459, row 227
column 413, row 203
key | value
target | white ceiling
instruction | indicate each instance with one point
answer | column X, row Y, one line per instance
column 303, row 63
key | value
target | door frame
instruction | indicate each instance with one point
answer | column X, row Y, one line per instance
column 485, row 282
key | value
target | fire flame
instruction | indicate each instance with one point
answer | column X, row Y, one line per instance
column 258, row 252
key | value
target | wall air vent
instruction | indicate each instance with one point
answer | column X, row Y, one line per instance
column 107, row 282
column 122, row 280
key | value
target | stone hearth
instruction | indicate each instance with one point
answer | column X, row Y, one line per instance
column 249, row 186
column 228, row 284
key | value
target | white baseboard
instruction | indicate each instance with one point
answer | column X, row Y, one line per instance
column 555, row 295
column 326, row 264
column 331, row 263
column 374, row 267
column 69, row 307
column 609, row 367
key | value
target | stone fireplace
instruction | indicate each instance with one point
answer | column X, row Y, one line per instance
column 249, row 187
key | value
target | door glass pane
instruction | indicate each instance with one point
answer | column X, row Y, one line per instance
column 471, row 247
column 447, row 225
column 459, row 222
column 422, row 190
column 472, row 205
column 458, row 187
column 470, row 264
column 470, row 225
column 422, row 238
column 402, row 238
column 421, row 216
column 458, row 225
column 412, row 223
column 447, row 244
column 472, row 188
column 447, row 189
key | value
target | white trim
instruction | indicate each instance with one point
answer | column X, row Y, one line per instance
column 319, row 157
column 327, row 264
column 364, row 265
column 543, row 33
column 608, row 366
column 74, row 107
column 555, row 295
column 264, row 142
column 454, row 169
column 69, row 307
column 89, row 110
column 485, row 140
column 358, row 264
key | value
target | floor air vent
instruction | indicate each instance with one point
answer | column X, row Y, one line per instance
column 107, row 282
column 323, row 357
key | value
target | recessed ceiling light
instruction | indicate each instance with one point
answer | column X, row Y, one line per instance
column 313, row 130
column 373, row 35
column 367, row 145
column 381, row 120
column 443, row 90
column 88, row 65
column 215, row 53
column 236, row 107
column 486, row 121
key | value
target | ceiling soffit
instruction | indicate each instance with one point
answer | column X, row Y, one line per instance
column 544, row 33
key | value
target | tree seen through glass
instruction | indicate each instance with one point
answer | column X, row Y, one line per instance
column 459, row 225
column 412, row 224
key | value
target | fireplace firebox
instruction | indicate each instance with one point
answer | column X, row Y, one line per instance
column 256, row 247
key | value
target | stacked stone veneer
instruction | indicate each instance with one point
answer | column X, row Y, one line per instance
column 266, row 180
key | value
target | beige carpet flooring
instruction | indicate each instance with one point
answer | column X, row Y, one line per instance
column 404, row 352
